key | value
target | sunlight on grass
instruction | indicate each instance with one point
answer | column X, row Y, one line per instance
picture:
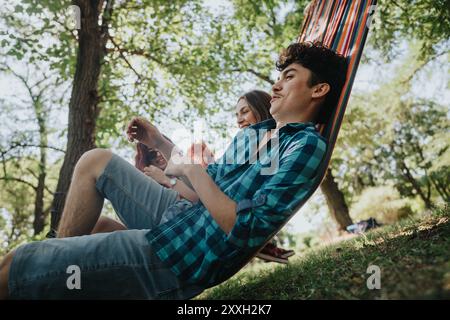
column 413, row 256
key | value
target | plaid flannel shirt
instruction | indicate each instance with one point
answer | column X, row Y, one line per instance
column 193, row 244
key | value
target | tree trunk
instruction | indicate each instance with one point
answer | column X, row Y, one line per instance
column 83, row 106
column 335, row 201
column 408, row 176
column 39, row 215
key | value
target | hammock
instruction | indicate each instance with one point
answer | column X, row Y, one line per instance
column 342, row 26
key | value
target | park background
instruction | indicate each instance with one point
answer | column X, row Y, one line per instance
column 182, row 65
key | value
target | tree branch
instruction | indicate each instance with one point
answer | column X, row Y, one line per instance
column 18, row 180
column 25, row 145
column 140, row 52
column 125, row 58
column 106, row 18
column 64, row 26
column 37, row 177
column 125, row 5
column 423, row 64
column 256, row 73
column 398, row 5
column 414, row 183
column 438, row 188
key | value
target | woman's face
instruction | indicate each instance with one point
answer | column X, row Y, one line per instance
column 159, row 161
column 244, row 115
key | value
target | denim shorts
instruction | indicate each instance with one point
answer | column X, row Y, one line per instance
column 116, row 265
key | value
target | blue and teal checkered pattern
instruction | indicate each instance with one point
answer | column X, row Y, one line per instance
column 194, row 245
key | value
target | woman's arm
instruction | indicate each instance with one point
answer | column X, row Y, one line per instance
column 159, row 176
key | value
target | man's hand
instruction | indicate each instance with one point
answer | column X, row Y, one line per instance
column 158, row 175
column 221, row 207
column 143, row 131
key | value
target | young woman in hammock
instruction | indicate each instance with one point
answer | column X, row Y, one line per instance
column 251, row 108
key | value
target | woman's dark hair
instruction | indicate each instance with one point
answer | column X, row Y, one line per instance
column 145, row 155
column 326, row 66
column 259, row 103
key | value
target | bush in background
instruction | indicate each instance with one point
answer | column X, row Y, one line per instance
column 382, row 203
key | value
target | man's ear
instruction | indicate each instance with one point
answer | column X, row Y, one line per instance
column 320, row 90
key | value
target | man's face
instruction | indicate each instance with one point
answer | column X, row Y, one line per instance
column 291, row 93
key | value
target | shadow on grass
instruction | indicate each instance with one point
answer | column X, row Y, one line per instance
column 413, row 256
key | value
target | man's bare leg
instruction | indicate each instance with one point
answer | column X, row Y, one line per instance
column 105, row 224
column 84, row 203
column 82, row 209
column 4, row 275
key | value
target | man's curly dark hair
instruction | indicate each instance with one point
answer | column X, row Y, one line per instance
column 326, row 66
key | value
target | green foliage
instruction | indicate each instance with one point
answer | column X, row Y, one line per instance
column 24, row 149
column 16, row 204
column 390, row 206
column 187, row 63
column 269, row 26
column 182, row 60
column 285, row 239
column 413, row 257
column 425, row 20
column 307, row 241
column 418, row 125
column 407, row 149
column 391, row 135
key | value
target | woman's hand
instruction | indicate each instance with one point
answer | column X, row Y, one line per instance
column 200, row 154
column 158, row 175
column 143, row 131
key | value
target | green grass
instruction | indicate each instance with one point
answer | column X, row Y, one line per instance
column 413, row 255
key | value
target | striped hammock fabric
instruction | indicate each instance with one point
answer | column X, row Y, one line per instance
column 342, row 25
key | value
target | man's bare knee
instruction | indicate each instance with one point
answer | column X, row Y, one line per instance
column 105, row 224
column 93, row 162
column 5, row 266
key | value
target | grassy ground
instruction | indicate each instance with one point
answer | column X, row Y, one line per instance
column 413, row 256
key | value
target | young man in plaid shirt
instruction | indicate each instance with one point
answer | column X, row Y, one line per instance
column 174, row 248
